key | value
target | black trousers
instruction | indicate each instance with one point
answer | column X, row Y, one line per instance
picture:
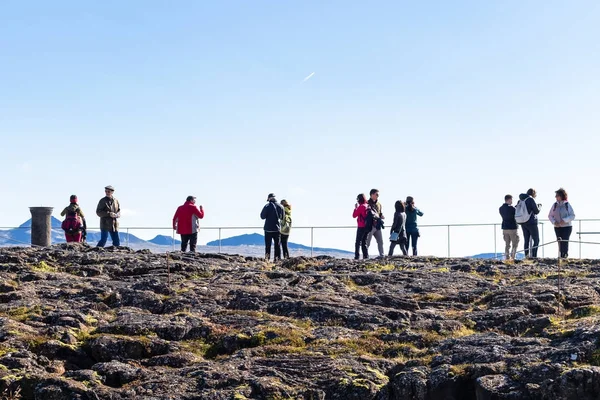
column 361, row 243
column 274, row 237
column 531, row 232
column 284, row 246
column 192, row 238
column 564, row 233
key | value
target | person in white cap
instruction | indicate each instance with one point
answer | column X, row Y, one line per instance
column 109, row 212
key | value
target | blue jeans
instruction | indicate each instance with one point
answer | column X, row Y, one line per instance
column 113, row 235
column 412, row 236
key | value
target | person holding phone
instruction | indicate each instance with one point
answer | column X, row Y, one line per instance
column 186, row 223
column 360, row 213
column 412, row 230
column 531, row 232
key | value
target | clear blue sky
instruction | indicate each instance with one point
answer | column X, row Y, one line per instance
column 455, row 103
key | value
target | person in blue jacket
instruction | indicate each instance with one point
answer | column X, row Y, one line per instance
column 272, row 213
column 412, row 231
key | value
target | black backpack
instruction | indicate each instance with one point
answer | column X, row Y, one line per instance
column 372, row 217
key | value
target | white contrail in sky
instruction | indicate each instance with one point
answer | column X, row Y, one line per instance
column 308, row 77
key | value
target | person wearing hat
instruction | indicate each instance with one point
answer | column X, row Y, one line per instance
column 272, row 213
column 73, row 211
column 186, row 223
column 109, row 212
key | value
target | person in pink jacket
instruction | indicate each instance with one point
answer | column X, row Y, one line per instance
column 360, row 213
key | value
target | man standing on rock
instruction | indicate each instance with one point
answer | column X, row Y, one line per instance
column 109, row 212
column 374, row 207
column 186, row 222
column 272, row 213
column 510, row 230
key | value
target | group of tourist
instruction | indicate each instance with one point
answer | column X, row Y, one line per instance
column 186, row 222
column 369, row 220
column 525, row 213
column 368, row 212
column 108, row 210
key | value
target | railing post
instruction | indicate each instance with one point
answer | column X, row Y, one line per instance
column 127, row 240
column 448, row 241
column 219, row 240
column 495, row 244
column 543, row 241
column 580, row 239
column 311, row 240
column 173, row 240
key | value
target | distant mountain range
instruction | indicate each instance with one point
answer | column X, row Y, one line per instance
column 250, row 244
column 22, row 236
column 255, row 239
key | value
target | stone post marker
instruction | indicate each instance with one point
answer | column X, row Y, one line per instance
column 41, row 225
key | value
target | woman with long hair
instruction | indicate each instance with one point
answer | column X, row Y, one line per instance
column 360, row 213
column 399, row 229
column 561, row 215
column 412, row 231
column 286, row 227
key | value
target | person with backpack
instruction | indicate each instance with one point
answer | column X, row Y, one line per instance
column 561, row 215
column 75, row 228
column 374, row 220
column 526, row 215
column 510, row 230
column 412, row 231
column 286, row 227
column 186, row 222
column 272, row 213
column 398, row 236
column 109, row 211
column 360, row 213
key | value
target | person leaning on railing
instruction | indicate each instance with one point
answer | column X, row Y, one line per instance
column 561, row 215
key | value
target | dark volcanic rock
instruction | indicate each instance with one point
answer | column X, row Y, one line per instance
column 85, row 323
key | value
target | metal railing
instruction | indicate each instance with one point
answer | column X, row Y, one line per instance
column 429, row 240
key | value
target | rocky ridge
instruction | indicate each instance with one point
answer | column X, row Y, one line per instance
column 78, row 322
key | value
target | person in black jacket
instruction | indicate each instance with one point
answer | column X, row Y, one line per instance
column 399, row 227
column 530, row 228
column 510, row 230
column 272, row 213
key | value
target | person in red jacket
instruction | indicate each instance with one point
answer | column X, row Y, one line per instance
column 186, row 223
column 360, row 213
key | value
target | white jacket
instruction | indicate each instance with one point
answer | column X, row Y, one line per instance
column 561, row 214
